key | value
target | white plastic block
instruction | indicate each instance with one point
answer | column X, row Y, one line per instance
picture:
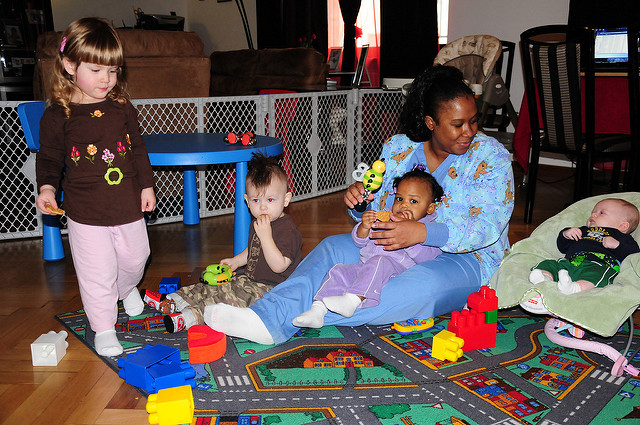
column 49, row 349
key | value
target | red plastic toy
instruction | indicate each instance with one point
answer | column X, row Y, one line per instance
column 479, row 325
column 247, row 138
column 205, row 344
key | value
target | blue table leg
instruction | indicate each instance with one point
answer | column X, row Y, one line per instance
column 191, row 213
column 52, row 249
column 242, row 216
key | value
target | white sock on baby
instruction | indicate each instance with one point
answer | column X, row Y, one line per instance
column 312, row 318
column 107, row 343
column 536, row 276
column 566, row 285
column 133, row 304
column 345, row 305
column 238, row 322
column 181, row 304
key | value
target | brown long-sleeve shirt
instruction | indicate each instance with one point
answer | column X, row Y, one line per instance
column 103, row 157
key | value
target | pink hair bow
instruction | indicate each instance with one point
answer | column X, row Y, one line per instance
column 63, row 44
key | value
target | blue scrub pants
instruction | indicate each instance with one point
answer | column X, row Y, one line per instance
column 425, row 290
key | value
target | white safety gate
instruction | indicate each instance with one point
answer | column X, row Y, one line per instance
column 325, row 135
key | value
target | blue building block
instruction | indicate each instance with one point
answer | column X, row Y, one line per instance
column 168, row 285
column 155, row 362
column 171, row 375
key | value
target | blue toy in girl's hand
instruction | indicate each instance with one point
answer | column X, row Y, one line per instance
column 371, row 180
column 216, row 274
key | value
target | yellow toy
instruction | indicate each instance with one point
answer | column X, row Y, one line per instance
column 171, row 406
column 447, row 346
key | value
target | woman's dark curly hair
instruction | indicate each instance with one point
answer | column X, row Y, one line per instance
column 420, row 174
column 433, row 87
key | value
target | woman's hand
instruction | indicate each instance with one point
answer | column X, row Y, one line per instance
column 398, row 234
column 353, row 194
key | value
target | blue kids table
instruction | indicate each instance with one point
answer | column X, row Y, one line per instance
column 188, row 150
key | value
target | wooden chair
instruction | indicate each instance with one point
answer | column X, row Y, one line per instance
column 30, row 114
column 551, row 58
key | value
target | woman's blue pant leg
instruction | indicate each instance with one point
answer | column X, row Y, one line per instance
column 278, row 307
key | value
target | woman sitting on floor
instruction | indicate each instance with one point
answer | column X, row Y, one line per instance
column 440, row 121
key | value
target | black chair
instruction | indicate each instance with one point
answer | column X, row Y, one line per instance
column 633, row 67
column 551, row 59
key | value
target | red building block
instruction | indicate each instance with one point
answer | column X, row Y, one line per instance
column 471, row 327
column 205, row 344
column 484, row 300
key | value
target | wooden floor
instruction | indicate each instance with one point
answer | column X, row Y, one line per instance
column 82, row 389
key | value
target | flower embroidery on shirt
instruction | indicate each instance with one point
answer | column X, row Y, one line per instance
column 122, row 150
column 129, row 141
column 75, row 155
column 107, row 157
column 91, row 151
column 96, row 114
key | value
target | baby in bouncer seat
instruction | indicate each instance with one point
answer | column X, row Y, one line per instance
column 593, row 253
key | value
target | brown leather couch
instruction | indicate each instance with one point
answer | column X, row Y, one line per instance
column 246, row 72
column 158, row 64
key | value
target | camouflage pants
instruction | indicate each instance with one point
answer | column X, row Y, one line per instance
column 240, row 291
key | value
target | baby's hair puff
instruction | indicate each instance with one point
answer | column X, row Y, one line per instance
column 88, row 40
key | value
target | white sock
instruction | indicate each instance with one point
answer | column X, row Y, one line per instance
column 107, row 343
column 133, row 304
column 181, row 304
column 566, row 285
column 189, row 318
column 345, row 305
column 536, row 276
column 312, row 318
column 238, row 322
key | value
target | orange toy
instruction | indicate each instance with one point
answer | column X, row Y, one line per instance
column 205, row 344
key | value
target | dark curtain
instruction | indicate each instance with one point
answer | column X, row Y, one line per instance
column 603, row 14
column 283, row 23
column 349, row 10
column 408, row 37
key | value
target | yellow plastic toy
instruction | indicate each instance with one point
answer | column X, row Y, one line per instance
column 171, row 406
column 447, row 346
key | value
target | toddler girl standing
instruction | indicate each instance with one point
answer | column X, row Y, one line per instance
column 89, row 135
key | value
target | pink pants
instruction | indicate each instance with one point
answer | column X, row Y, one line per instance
column 109, row 263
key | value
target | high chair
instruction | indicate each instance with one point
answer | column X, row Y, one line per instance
column 600, row 310
column 476, row 57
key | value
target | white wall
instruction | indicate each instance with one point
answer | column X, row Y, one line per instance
column 505, row 19
column 218, row 24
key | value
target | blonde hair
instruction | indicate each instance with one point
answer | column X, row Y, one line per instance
column 632, row 216
column 88, row 40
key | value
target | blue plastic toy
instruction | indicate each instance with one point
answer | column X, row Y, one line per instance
column 156, row 367
column 168, row 285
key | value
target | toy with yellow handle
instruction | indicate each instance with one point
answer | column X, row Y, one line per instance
column 371, row 180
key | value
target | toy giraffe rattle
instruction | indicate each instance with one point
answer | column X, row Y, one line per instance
column 371, row 179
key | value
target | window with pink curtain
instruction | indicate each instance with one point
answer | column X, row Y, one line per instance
column 368, row 23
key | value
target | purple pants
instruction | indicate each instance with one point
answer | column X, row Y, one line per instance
column 363, row 279
column 109, row 263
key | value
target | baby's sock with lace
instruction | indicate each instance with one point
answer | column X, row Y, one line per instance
column 312, row 318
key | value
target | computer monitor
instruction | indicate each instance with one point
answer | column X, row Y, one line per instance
column 611, row 46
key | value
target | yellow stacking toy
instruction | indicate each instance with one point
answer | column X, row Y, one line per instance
column 371, row 180
column 171, row 406
column 447, row 346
